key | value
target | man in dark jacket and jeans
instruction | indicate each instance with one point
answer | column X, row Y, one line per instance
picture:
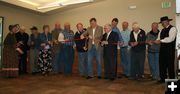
column 82, row 50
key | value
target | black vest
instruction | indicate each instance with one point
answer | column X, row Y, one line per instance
column 167, row 46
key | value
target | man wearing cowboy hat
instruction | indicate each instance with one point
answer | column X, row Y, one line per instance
column 167, row 40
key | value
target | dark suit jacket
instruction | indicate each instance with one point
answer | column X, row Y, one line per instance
column 141, row 39
column 110, row 50
column 24, row 37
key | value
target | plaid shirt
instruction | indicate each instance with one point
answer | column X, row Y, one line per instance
column 68, row 35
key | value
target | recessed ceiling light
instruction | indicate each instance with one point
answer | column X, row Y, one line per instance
column 63, row 3
column 48, row 6
column 29, row 2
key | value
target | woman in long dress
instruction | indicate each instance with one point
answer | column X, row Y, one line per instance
column 45, row 53
column 10, row 54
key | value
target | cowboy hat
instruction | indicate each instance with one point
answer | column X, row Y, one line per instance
column 165, row 18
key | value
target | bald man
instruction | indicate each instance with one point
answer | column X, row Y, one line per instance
column 57, row 65
column 125, row 49
column 110, row 52
column 68, row 50
column 22, row 38
column 153, row 51
column 138, row 47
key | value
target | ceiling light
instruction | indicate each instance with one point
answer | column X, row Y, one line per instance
column 49, row 6
column 63, row 3
column 29, row 2
column 70, row 2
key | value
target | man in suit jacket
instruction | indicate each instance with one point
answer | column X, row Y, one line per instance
column 109, row 41
column 138, row 47
column 94, row 33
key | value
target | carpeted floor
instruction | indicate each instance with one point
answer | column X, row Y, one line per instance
column 58, row 84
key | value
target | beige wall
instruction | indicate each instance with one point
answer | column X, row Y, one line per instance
column 147, row 12
column 23, row 17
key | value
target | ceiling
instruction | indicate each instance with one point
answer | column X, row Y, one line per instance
column 45, row 6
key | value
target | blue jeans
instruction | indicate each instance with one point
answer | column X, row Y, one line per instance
column 68, row 60
column 57, row 62
column 82, row 63
column 153, row 59
column 94, row 53
column 125, row 60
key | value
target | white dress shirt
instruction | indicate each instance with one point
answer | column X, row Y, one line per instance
column 172, row 35
column 94, row 29
column 136, row 34
column 61, row 37
column 108, row 35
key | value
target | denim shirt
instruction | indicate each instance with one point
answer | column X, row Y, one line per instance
column 45, row 39
column 126, row 37
column 116, row 29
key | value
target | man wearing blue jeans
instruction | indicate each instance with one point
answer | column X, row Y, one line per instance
column 94, row 33
column 81, row 48
column 68, row 50
column 57, row 66
column 125, row 49
column 153, row 51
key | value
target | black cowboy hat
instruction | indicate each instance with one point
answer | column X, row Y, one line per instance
column 165, row 18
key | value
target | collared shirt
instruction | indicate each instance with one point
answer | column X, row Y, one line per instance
column 172, row 35
column 69, row 35
column 136, row 34
column 116, row 29
column 94, row 30
column 61, row 37
column 125, row 36
column 108, row 35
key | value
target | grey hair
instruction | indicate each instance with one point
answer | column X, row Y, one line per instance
column 135, row 25
column 109, row 25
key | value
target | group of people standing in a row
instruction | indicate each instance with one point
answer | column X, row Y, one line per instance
column 54, row 51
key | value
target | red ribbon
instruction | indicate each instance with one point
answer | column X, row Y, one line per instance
column 109, row 42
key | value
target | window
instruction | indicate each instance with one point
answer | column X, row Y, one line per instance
column 1, row 39
column 178, row 6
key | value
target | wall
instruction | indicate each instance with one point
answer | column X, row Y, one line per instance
column 23, row 17
column 147, row 12
column 178, row 28
column 178, row 36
